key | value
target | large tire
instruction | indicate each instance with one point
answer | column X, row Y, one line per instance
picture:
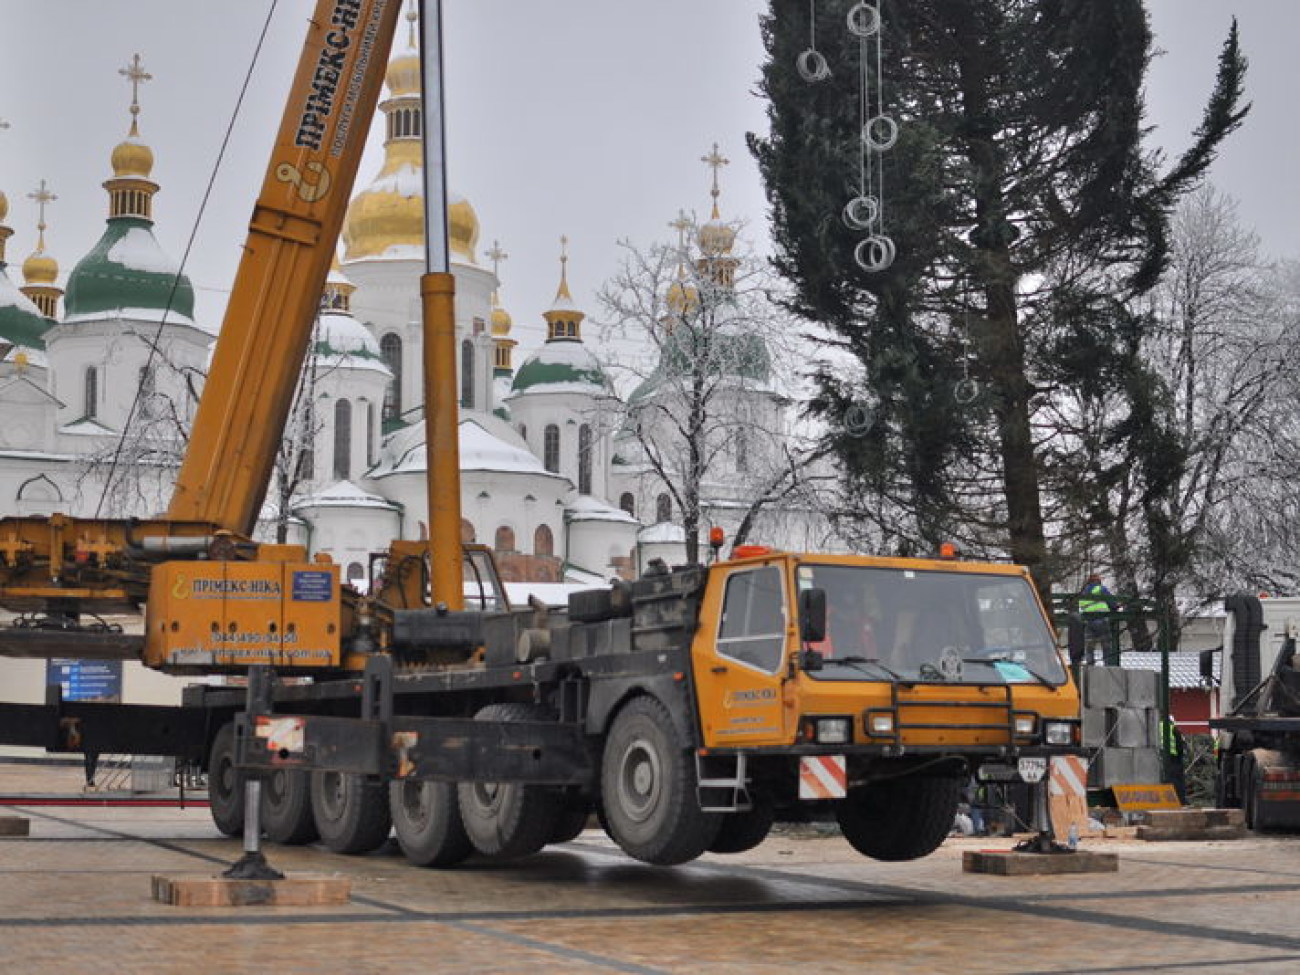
column 741, row 831
column 1248, row 784
column 648, row 792
column 225, row 783
column 506, row 820
column 351, row 811
column 900, row 819
column 286, row 808
column 426, row 817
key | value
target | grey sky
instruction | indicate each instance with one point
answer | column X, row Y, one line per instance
column 579, row 117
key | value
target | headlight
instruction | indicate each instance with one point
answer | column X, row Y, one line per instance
column 1058, row 732
column 834, row 731
column 881, row 724
column 1024, row 724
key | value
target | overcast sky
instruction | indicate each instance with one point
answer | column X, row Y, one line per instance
column 586, row 118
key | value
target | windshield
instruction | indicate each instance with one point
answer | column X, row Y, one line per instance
column 909, row 624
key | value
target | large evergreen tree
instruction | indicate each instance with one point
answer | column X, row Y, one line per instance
column 1027, row 216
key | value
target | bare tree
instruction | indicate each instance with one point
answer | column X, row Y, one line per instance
column 706, row 408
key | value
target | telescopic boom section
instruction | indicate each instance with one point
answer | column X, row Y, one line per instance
column 291, row 241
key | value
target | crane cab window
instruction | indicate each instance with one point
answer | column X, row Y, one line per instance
column 753, row 619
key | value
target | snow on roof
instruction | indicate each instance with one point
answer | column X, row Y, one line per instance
column 86, row 427
column 551, row 593
column 586, row 508
column 345, row 494
column 138, row 250
column 173, row 317
column 664, row 531
column 498, row 450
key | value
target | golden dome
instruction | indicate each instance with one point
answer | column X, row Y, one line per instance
column 501, row 321
column 716, row 238
column 4, row 205
column 389, row 215
column 40, row 268
column 131, row 157
column 682, row 298
column 403, row 76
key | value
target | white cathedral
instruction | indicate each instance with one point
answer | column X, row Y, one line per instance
column 98, row 380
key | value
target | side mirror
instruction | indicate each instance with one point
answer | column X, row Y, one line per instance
column 812, row 615
column 811, row 660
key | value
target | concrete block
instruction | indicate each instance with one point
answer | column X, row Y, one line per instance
column 304, row 890
column 15, row 826
column 1096, row 726
column 1131, row 729
column 1103, row 687
column 1146, row 766
column 1225, row 817
column 1012, row 864
column 1112, row 766
column 1143, row 688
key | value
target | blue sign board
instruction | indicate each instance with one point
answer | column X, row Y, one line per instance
column 86, row 680
column 313, row 586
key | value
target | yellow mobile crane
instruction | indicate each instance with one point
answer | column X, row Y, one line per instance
column 691, row 708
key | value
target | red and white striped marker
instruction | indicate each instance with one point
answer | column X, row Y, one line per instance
column 822, row 777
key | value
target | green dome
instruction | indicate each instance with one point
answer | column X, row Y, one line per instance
column 740, row 355
column 21, row 323
column 561, row 366
column 128, row 271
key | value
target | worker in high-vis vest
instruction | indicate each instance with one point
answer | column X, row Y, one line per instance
column 1095, row 606
column 1172, row 755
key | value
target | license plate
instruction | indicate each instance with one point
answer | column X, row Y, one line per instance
column 1032, row 769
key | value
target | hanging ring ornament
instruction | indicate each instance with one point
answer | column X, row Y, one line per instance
column 858, row 419
column 812, row 66
column 863, row 20
column 880, row 133
column 860, row 212
column 965, row 391
column 874, row 253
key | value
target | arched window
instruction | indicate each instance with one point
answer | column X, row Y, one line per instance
column 543, row 541
column 342, row 440
column 306, row 463
column 551, row 448
column 663, row 508
column 584, row 459
column 467, row 374
column 505, row 540
column 627, row 503
column 390, row 350
column 92, row 392
column 742, row 451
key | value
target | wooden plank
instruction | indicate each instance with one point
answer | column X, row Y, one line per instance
column 1008, row 863
column 306, row 890
column 15, row 826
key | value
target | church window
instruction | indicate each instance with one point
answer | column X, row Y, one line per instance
column 342, row 440
column 627, row 503
column 92, row 393
column 307, row 463
column 543, row 541
column 551, row 448
column 370, row 433
column 584, row 459
column 356, row 573
column 467, row 374
column 505, row 540
column 663, row 508
column 390, row 350
column 742, row 451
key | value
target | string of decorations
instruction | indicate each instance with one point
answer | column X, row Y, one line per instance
column 877, row 131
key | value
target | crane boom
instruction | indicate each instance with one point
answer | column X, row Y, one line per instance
column 291, row 242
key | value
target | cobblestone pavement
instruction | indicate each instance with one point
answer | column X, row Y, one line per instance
column 75, row 897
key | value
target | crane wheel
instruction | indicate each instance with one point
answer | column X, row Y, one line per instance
column 506, row 820
column 351, row 811
column 741, row 831
column 286, row 808
column 648, row 792
column 426, row 818
column 225, row 783
column 900, row 819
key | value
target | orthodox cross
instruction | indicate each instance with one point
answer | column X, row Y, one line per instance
column 135, row 73
column 496, row 255
column 42, row 196
column 715, row 161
